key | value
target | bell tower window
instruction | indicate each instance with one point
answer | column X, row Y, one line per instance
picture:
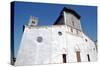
column 71, row 30
column 72, row 22
column 33, row 22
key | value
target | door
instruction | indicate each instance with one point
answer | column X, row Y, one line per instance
column 78, row 56
column 64, row 58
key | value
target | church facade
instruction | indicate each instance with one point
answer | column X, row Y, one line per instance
column 62, row 42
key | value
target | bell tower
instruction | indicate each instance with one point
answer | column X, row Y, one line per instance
column 71, row 19
column 33, row 21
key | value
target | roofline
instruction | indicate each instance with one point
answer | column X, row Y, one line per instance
column 71, row 11
column 58, row 19
column 67, row 10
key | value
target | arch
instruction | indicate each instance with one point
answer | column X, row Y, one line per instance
column 77, row 48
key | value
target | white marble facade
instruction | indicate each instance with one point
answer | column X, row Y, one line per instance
column 56, row 43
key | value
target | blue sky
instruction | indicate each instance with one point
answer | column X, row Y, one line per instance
column 47, row 15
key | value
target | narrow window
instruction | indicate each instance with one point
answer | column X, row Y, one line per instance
column 88, row 57
column 86, row 40
column 93, row 48
column 78, row 56
column 73, row 23
column 71, row 30
column 77, row 31
column 64, row 58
